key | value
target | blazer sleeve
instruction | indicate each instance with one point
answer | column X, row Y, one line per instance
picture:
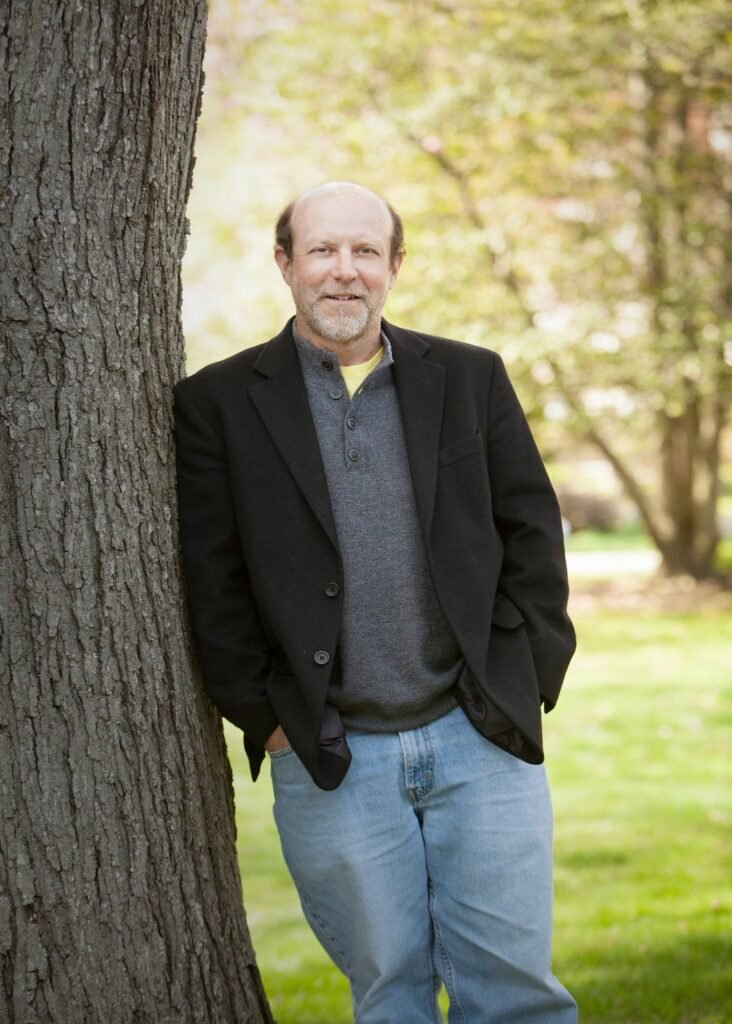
column 233, row 652
column 527, row 516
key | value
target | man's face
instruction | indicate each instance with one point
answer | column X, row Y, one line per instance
column 340, row 272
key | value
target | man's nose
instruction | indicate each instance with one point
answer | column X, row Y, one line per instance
column 345, row 267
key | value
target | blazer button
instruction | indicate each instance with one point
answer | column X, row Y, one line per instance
column 321, row 657
column 332, row 590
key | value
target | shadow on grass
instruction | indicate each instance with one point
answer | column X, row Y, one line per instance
column 689, row 982
column 575, row 860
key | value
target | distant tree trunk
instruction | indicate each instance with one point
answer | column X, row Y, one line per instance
column 690, row 457
column 120, row 898
column 681, row 520
column 684, row 220
column 692, row 422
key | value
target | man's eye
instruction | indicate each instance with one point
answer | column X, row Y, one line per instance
column 321, row 249
column 368, row 251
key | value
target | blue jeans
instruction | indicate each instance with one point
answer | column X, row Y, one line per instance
column 430, row 864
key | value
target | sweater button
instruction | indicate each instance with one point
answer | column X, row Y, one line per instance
column 354, row 455
column 321, row 657
column 332, row 590
column 336, row 393
column 351, row 423
column 327, row 364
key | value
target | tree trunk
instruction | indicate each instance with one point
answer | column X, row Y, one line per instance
column 690, row 457
column 120, row 898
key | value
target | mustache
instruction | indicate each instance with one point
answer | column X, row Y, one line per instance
column 353, row 293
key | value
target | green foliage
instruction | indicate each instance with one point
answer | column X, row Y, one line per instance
column 564, row 170
column 724, row 557
column 637, row 753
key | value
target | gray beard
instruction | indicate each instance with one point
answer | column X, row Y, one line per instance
column 342, row 328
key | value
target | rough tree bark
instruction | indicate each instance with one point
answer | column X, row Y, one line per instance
column 120, row 898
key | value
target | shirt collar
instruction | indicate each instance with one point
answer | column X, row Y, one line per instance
column 322, row 364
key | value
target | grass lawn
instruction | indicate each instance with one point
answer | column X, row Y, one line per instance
column 638, row 754
column 631, row 539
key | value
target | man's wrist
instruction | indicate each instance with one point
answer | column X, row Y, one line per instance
column 277, row 741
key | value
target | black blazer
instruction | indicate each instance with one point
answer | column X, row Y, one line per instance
column 260, row 548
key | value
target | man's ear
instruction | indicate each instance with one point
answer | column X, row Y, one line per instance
column 396, row 267
column 283, row 262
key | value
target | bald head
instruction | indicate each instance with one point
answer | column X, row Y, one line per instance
column 287, row 221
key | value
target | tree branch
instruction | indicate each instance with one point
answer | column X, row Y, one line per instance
column 499, row 261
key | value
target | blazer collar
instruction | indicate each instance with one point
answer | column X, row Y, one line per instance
column 421, row 389
column 282, row 403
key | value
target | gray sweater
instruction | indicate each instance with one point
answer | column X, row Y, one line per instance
column 399, row 657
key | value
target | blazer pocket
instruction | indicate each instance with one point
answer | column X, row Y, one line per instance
column 505, row 613
column 461, row 449
column 280, row 664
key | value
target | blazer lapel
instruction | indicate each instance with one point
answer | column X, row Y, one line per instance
column 282, row 403
column 421, row 389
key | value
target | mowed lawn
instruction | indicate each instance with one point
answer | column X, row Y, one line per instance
column 639, row 758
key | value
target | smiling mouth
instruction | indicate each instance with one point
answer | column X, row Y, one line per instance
column 342, row 298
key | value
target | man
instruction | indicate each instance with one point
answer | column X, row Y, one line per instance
column 378, row 594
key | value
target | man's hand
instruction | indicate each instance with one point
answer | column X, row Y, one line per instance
column 277, row 741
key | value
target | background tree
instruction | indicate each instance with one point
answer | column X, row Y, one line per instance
column 120, row 898
column 566, row 174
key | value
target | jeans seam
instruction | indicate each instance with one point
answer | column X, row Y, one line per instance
column 449, row 975
column 311, row 912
